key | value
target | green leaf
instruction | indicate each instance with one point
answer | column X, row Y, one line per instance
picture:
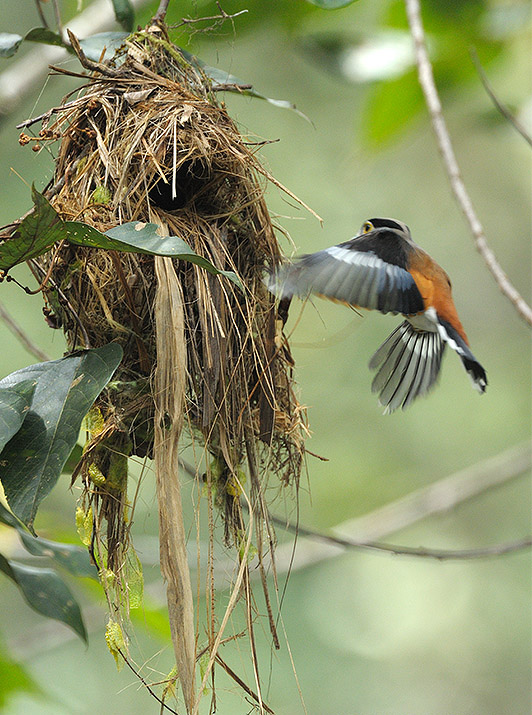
column 15, row 680
column 31, row 462
column 138, row 237
column 73, row 558
column 46, row 593
column 9, row 43
column 44, row 227
column 34, row 236
column 221, row 77
column 331, row 4
column 44, row 36
column 392, row 106
column 103, row 42
column 14, row 404
column 124, row 14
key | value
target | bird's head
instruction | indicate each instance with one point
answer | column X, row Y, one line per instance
column 388, row 224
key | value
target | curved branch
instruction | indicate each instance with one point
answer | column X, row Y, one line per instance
column 426, row 80
column 364, row 532
column 482, row 552
column 496, row 101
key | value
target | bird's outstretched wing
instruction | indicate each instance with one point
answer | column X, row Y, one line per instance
column 347, row 275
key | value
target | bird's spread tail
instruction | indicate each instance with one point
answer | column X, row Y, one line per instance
column 408, row 364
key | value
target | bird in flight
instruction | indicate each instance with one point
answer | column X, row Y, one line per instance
column 382, row 269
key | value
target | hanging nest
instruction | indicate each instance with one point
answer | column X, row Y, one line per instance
column 147, row 141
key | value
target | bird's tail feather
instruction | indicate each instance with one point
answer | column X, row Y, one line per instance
column 408, row 364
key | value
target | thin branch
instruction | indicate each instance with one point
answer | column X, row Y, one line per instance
column 160, row 15
column 242, row 684
column 363, row 532
column 45, row 115
column 21, row 336
column 90, row 64
column 42, row 16
column 222, row 17
column 498, row 104
column 57, row 15
column 426, row 80
column 145, row 684
column 417, row 552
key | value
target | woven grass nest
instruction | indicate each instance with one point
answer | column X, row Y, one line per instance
column 146, row 140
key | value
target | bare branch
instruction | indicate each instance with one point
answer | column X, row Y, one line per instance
column 57, row 15
column 45, row 115
column 363, row 532
column 243, row 685
column 498, row 104
column 21, row 336
column 42, row 16
column 426, row 80
column 417, row 552
column 222, row 17
column 90, row 64
column 160, row 15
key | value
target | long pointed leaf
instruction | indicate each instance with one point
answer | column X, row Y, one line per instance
column 73, row 558
column 221, row 77
column 44, row 36
column 44, row 227
column 138, row 237
column 31, row 462
column 46, row 593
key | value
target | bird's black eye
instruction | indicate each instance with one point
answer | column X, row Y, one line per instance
column 367, row 227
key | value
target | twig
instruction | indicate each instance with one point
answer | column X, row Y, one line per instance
column 221, row 17
column 242, row 684
column 160, row 15
column 231, row 87
column 363, row 532
column 45, row 115
column 498, row 104
column 90, row 64
column 417, row 552
column 42, row 16
column 57, row 15
column 145, row 684
column 22, row 337
column 426, row 80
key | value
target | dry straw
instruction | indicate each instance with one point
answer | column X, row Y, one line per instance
column 146, row 140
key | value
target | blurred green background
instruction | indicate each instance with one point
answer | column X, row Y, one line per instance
column 369, row 634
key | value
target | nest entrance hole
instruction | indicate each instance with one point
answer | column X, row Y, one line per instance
column 191, row 185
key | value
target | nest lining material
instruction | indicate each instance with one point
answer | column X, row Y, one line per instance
column 153, row 144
